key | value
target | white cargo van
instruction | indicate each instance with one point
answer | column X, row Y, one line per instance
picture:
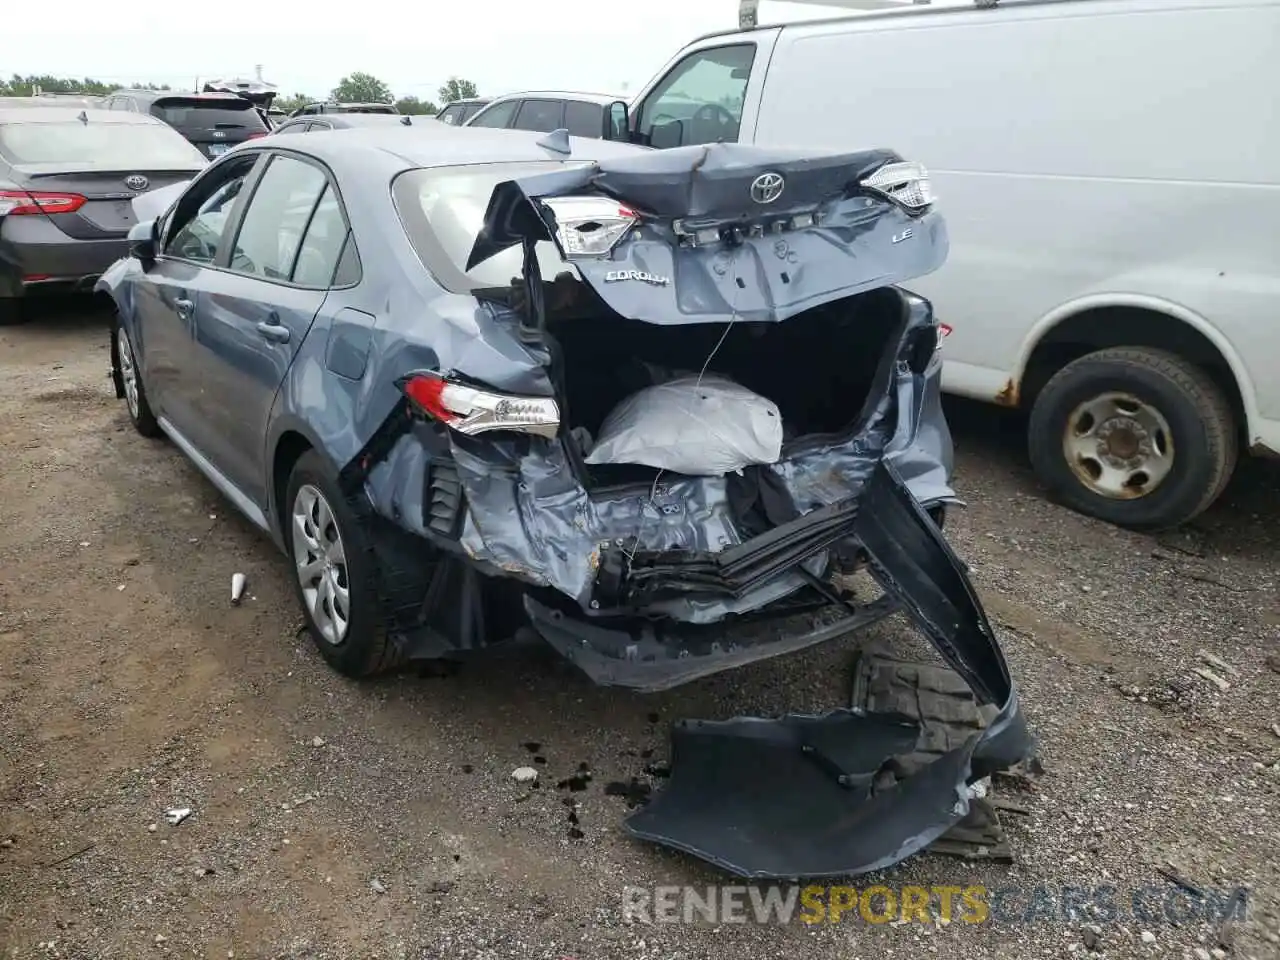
column 1110, row 175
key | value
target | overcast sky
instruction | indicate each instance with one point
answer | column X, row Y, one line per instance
column 502, row 45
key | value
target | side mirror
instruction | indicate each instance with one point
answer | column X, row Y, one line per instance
column 142, row 242
column 617, row 122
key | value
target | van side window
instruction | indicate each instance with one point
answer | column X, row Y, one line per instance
column 700, row 100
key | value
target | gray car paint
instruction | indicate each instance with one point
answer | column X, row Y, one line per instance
column 229, row 397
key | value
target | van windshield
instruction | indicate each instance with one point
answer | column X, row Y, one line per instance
column 700, row 100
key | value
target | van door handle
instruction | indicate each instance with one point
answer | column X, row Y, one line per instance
column 276, row 332
column 183, row 307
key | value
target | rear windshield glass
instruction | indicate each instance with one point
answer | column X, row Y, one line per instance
column 442, row 210
column 109, row 146
column 208, row 114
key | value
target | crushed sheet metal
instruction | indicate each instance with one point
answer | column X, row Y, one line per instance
column 820, row 796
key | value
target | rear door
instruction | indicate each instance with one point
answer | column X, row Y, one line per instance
column 214, row 124
column 584, row 119
column 275, row 276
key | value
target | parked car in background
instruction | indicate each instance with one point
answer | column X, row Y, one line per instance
column 257, row 92
column 275, row 117
column 460, row 111
column 67, row 176
column 330, row 106
column 348, row 339
column 1116, row 263
column 582, row 114
column 344, row 121
column 215, row 122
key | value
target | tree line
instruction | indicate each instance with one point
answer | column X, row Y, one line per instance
column 356, row 87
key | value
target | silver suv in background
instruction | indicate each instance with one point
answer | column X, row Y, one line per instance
column 582, row 114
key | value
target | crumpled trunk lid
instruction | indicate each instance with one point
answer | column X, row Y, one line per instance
column 727, row 232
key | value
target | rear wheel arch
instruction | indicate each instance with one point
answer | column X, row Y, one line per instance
column 289, row 449
column 1077, row 330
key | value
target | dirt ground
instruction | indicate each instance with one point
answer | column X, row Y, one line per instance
column 335, row 819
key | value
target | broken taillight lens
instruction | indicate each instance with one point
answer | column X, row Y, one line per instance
column 906, row 184
column 471, row 411
column 17, row 203
column 589, row 226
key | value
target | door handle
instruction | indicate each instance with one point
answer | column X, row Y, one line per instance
column 276, row 332
column 184, row 307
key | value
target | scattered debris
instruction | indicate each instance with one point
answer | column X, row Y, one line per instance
column 440, row 886
column 175, row 815
column 524, row 775
column 1218, row 663
column 533, row 746
column 161, row 938
column 1275, row 728
column 151, row 828
column 377, row 886
column 1091, row 936
column 317, row 741
column 71, row 856
column 1173, row 876
column 121, row 587
column 1148, row 937
column 237, row 587
column 1212, row 677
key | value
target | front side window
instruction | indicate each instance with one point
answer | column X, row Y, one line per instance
column 469, row 110
column 276, row 218
column 498, row 115
column 442, row 210
column 451, row 114
column 700, row 100
column 540, row 116
column 199, row 236
column 584, row 119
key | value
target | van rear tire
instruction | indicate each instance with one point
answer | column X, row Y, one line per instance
column 1135, row 436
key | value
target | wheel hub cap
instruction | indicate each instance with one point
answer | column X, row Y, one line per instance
column 1118, row 446
column 321, row 563
column 128, row 371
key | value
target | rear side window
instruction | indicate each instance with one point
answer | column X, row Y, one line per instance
column 541, row 116
column 584, row 119
column 276, row 219
column 99, row 146
column 188, row 114
column 452, row 114
column 323, row 243
column 499, row 115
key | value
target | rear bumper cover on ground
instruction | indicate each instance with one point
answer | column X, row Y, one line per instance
column 813, row 796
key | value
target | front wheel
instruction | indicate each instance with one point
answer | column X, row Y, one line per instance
column 335, row 576
column 135, row 394
column 1135, row 436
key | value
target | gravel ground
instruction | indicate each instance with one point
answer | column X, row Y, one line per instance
column 334, row 819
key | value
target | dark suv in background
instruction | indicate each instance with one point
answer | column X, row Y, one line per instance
column 214, row 122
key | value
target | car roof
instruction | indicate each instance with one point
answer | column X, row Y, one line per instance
column 454, row 103
column 211, row 95
column 438, row 145
column 63, row 114
column 600, row 98
column 351, row 119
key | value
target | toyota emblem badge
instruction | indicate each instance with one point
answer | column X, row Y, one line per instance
column 767, row 187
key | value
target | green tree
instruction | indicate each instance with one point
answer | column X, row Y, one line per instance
column 292, row 103
column 457, row 89
column 414, row 106
column 361, row 88
column 19, row 86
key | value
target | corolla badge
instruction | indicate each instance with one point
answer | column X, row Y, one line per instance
column 617, row 276
column 767, row 187
column 136, row 181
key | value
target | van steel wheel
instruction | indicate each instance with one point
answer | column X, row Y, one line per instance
column 335, row 577
column 135, row 394
column 1135, row 436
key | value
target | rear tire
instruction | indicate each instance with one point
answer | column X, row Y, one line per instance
column 327, row 541
column 1138, row 413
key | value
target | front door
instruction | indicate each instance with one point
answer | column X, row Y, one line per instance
column 275, row 277
column 191, row 240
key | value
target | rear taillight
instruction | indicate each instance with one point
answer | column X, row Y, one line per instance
column 906, row 184
column 589, row 226
column 944, row 331
column 18, row 203
column 473, row 411
column 256, row 135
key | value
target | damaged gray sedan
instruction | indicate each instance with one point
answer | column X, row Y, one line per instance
column 651, row 405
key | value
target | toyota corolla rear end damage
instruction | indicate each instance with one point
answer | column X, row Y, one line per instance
column 705, row 400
